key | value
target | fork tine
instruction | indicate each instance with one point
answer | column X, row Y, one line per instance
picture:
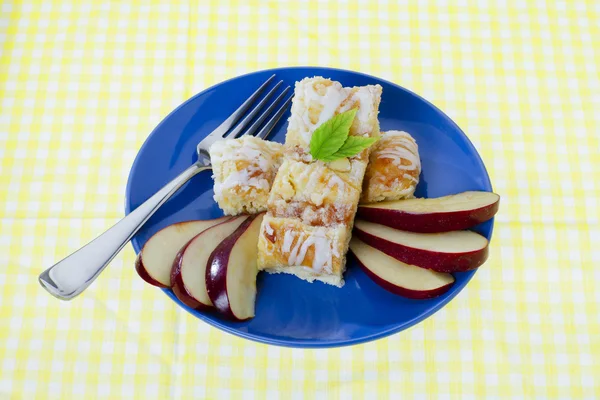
column 266, row 130
column 256, row 124
column 246, row 121
column 237, row 114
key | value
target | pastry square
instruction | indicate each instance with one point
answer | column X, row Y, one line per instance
column 312, row 193
column 393, row 170
column 243, row 172
column 312, row 204
column 286, row 245
column 315, row 101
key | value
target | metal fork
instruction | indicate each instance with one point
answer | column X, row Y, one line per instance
column 71, row 276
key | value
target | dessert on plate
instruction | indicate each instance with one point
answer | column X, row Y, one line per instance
column 299, row 201
column 393, row 170
column 316, row 100
column 312, row 203
column 312, row 193
column 243, row 172
column 310, row 252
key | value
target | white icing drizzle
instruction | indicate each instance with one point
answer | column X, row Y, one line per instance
column 288, row 239
column 305, row 97
column 410, row 177
column 269, row 229
column 261, row 157
column 398, row 146
column 335, row 180
column 334, row 95
column 293, row 258
column 318, row 192
column 242, row 178
column 364, row 97
column 322, row 249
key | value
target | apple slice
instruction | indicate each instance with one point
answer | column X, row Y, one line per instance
column 188, row 276
column 443, row 252
column 442, row 214
column 154, row 262
column 231, row 271
column 397, row 277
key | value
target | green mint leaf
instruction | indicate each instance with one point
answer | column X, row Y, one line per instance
column 331, row 135
column 352, row 146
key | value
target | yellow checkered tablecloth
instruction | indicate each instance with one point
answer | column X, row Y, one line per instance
column 83, row 83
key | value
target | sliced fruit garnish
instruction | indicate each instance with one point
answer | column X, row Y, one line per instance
column 444, row 252
column 154, row 262
column 442, row 214
column 231, row 271
column 398, row 277
column 188, row 276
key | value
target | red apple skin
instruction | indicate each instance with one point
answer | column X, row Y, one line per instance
column 139, row 263
column 409, row 293
column 428, row 222
column 139, row 267
column 436, row 261
column 216, row 272
column 178, row 286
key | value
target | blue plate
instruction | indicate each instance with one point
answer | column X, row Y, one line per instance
column 289, row 311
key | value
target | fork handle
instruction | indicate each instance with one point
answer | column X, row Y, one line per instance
column 71, row 276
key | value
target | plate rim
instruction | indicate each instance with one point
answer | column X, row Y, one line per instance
column 306, row 343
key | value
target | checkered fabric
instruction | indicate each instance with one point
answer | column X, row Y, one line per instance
column 83, row 83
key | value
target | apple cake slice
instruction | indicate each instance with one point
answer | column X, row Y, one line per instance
column 243, row 172
column 312, row 204
column 312, row 193
column 316, row 100
column 393, row 170
column 287, row 245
